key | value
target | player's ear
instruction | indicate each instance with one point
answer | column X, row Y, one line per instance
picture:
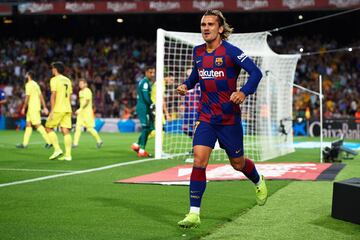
column 221, row 29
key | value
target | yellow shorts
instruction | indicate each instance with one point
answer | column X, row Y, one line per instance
column 85, row 120
column 59, row 119
column 33, row 117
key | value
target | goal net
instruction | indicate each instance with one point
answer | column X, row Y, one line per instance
column 266, row 115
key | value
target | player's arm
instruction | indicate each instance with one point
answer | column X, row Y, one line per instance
column 255, row 75
column 191, row 81
column 87, row 101
column 26, row 103
column 42, row 100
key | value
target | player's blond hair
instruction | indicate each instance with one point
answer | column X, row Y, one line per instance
column 222, row 22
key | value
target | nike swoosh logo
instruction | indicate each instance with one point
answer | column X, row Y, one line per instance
column 198, row 61
column 237, row 151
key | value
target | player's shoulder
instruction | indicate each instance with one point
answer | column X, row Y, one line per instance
column 230, row 46
column 199, row 49
column 87, row 90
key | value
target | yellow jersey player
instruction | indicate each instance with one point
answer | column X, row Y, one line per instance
column 85, row 115
column 33, row 101
column 60, row 114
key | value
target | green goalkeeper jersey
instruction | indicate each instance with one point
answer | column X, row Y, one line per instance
column 144, row 95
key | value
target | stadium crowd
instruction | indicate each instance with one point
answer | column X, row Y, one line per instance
column 113, row 66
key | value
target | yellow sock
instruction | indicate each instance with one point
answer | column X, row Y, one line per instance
column 67, row 142
column 43, row 133
column 27, row 135
column 77, row 135
column 95, row 134
column 54, row 140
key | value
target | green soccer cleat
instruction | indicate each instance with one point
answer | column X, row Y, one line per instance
column 64, row 158
column 55, row 155
column 261, row 192
column 192, row 220
column 21, row 146
column 99, row 144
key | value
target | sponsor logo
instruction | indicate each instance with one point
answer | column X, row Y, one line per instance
column 208, row 74
column 205, row 5
column 219, row 61
column 121, row 6
column 79, row 7
column 35, row 7
column 345, row 131
column 344, row 3
column 242, row 57
column 164, row 6
column 293, row 4
column 249, row 5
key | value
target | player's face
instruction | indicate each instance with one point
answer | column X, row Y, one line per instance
column 150, row 74
column 210, row 28
column 81, row 85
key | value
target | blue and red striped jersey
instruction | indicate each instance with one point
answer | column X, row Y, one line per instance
column 217, row 74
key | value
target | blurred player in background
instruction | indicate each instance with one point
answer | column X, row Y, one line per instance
column 144, row 109
column 60, row 114
column 85, row 115
column 191, row 108
column 166, row 117
column 2, row 103
column 33, row 101
column 217, row 65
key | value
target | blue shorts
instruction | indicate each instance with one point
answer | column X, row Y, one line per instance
column 230, row 137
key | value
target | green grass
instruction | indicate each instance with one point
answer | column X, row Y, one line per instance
column 92, row 206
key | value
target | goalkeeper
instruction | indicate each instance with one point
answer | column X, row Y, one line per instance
column 144, row 109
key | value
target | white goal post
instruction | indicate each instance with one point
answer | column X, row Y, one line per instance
column 266, row 115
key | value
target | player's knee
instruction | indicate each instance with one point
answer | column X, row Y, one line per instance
column 238, row 163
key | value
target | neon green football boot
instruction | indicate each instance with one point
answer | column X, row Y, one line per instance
column 192, row 220
column 261, row 192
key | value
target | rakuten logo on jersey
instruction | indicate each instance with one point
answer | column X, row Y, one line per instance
column 204, row 74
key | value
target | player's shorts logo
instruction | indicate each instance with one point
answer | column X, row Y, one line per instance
column 219, row 61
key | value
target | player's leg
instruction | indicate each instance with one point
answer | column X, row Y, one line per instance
column 51, row 123
column 90, row 124
column 139, row 147
column 231, row 139
column 66, row 125
column 203, row 143
column 78, row 128
column 36, row 121
column 27, row 134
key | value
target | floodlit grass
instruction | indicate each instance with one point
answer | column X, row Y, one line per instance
column 91, row 206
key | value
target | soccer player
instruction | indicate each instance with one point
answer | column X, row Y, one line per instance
column 3, row 101
column 85, row 115
column 33, row 101
column 144, row 108
column 60, row 114
column 216, row 66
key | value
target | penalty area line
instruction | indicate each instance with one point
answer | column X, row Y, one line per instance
column 34, row 170
column 76, row 172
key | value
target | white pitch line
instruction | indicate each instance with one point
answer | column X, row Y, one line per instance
column 34, row 170
column 76, row 172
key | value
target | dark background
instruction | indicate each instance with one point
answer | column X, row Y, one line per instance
column 344, row 28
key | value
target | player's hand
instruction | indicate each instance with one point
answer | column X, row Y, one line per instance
column 237, row 97
column 22, row 111
column 46, row 111
column 51, row 115
column 182, row 89
column 78, row 111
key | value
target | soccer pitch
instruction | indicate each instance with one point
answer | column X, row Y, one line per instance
column 79, row 199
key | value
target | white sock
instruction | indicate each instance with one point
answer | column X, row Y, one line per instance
column 195, row 210
column 136, row 145
column 258, row 183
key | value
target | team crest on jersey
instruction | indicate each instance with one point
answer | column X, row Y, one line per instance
column 219, row 61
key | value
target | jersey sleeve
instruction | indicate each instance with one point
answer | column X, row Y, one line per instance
column 242, row 60
column 87, row 94
column 193, row 79
column 27, row 89
column 53, row 85
column 146, row 91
